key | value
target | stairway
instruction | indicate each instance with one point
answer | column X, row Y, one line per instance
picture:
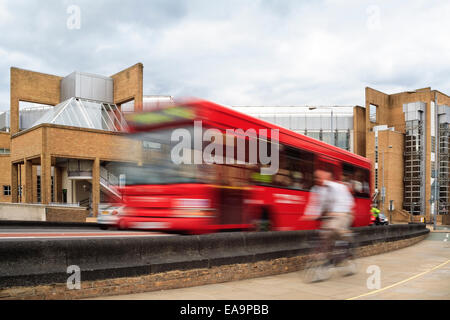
column 401, row 216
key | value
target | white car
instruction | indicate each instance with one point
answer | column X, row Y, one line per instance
column 108, row 215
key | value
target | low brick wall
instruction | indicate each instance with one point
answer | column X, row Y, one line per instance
column 123, row 266
column 445, row 219
column 184, row 278
column 65, row 214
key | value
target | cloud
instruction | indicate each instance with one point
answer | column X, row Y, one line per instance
column 260, row 52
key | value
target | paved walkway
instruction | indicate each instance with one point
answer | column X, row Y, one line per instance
column 421, row 271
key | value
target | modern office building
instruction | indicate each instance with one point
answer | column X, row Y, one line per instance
column 331, row 124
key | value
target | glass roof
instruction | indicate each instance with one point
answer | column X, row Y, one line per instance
column 85, row 114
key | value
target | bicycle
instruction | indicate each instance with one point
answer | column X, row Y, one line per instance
column 323, row 260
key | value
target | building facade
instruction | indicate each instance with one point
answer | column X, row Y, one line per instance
column 406, row 137
column 331, row 124
column 62, row 152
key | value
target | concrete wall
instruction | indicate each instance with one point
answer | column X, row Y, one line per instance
column 38, row 212
column 25, row 212
column 242, row 254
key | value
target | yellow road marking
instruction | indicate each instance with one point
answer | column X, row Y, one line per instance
column 399, row 283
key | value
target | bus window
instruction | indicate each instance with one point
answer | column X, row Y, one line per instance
column 362, row 177
column 330, row 165
column 357, row 179
column 295, row 170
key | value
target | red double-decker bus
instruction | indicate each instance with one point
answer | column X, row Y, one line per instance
column 195, row 198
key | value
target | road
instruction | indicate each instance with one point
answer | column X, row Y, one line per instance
column 32, row 233
column 421, row 271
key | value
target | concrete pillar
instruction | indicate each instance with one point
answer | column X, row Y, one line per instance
column 95, row 186
column 14, row 182
column 14, row 115
column 46, row 179
column 57, row 184
column 28, row 196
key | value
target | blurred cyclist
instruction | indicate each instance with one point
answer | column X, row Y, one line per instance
column 375, row 215
column 333, row 205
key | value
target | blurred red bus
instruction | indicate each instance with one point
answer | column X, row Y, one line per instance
column 201, row 198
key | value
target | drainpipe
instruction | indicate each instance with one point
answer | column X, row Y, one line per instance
column 436, row 161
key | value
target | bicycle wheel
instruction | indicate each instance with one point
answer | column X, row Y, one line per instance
column 348, row 268
column 316, row 270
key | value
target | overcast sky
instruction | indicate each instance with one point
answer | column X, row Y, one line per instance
column 255, row 52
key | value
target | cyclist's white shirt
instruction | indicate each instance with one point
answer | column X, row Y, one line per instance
column 331, row 197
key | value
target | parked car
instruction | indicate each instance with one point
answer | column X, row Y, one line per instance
column 382, row 220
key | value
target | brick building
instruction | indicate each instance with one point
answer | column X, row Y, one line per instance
column 64, row 156
column 406, row 135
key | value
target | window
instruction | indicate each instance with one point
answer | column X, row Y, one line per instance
column 127, row 107
column 343, row 140
column 6, row 190
column 328, row 137
column 38, row 189
column 373, row 113
column 357, row 180
column 295, row 171
column 314, row 134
